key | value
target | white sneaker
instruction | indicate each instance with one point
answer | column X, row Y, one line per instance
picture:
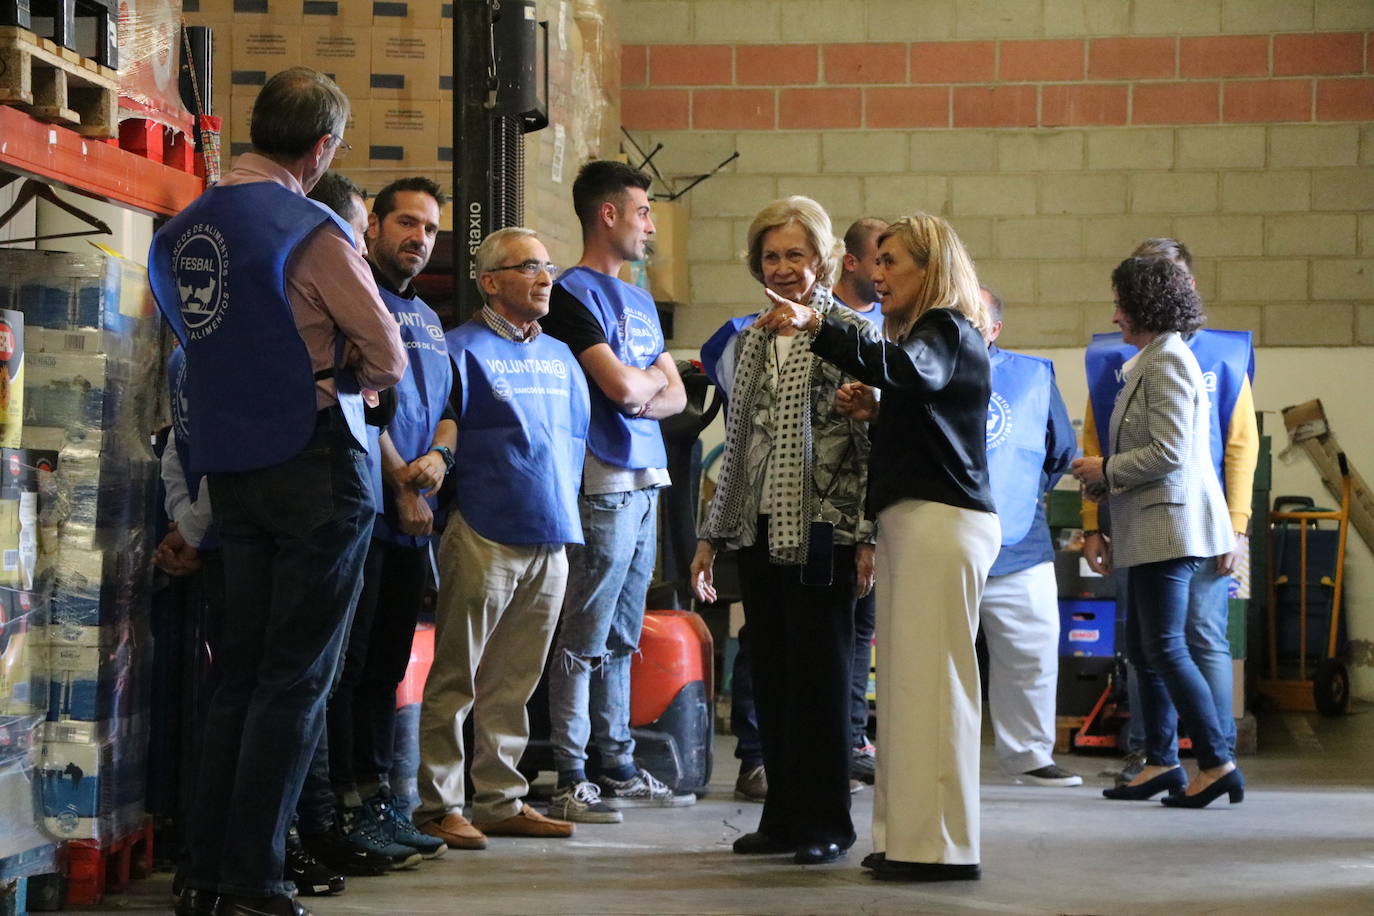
column 642, row 790
column 581, row 802
column 1053, row 776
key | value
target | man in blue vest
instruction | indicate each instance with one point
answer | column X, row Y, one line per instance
column 282, row 324
column 408, row 461
column 1030, row 444
column 613, row 330
column 1227, row 359
column 523, row 411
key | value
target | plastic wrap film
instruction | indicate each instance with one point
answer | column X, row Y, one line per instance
column 596, row 83
column 149, row 55
column 84, row 479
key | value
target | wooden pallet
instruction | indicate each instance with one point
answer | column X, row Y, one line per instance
column 56, row 84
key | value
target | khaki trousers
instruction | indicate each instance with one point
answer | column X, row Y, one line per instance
column 932, row 561
column 498, row 605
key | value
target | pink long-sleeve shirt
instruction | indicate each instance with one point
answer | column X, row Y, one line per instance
column 332, row 292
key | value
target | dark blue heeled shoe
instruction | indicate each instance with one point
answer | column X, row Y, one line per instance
column 1175, row 781
column 1232, row 784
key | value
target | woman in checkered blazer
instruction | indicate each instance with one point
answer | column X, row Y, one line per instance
column 1168, row 516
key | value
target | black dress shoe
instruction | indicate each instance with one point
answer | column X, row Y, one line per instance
column 196, row 902
column 873, row 860
column 893, row 870
column 757, row 843
column 276, row 905
column 1174, row 781
column 818, row 853
column 1232, row 785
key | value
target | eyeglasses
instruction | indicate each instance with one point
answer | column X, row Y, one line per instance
column 341, row 149
column 530, row 269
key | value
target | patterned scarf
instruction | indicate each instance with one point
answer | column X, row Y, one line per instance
column 791, row 495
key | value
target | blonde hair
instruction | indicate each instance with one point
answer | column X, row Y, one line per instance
column 812, row 219
column 951, row 282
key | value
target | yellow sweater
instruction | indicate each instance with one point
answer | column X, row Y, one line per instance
column 1238, row 464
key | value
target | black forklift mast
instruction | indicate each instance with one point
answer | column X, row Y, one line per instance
column 500, row 71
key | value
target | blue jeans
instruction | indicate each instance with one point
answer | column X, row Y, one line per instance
column 1205, row 631
column 294, row 540
column 603, row 613
column 1156, row 645
column 744, row 720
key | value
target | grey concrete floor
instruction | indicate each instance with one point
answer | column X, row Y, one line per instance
column 1302, row 842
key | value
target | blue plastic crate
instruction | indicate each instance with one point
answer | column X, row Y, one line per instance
column 1087, row 628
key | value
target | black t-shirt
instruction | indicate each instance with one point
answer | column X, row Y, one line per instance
column 572, row 322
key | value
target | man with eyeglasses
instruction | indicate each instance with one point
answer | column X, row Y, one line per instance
column 613, row 329
column 522, row 413
column 282, row 325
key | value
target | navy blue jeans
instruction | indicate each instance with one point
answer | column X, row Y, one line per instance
column 362, row 712
column 1169, row 677
column 294, row 540
column 1205, row 630
column 744, row 720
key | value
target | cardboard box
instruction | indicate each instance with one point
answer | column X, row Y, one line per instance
column 344, row 53
column 260, row 50
column 286, row 12
column 337, row 13
column 404, row 63
column 446, row 139
column 1305, row 421
column 668, row 275
column 356, row 130
column 405, row 134
column 423, row 14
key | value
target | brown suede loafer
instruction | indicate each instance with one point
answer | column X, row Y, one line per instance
column 528, row 822
column 456, row 831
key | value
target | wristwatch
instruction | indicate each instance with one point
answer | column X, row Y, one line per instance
column 446, row 454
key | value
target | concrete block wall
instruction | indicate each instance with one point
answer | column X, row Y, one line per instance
column 1053, row 134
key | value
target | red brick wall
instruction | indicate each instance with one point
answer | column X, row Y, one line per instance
column 1221, row 79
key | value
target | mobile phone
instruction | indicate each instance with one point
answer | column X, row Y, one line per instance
column 820, row 555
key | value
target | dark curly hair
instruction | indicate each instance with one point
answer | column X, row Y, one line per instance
column 1154, row 294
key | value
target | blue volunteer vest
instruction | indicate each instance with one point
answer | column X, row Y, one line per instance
column 522, row 436
column 421, row 395
column 1227, row 358
column 629, row 319
column 218, row 273
column 181, row 424
column 1018, row 415
column 714, row 349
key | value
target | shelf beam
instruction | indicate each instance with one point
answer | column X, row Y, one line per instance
column 93, row 167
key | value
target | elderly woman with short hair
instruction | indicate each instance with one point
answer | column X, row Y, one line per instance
column 789, row 496
column 938, row 535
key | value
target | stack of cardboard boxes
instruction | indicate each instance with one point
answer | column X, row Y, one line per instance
column 393, row 59
column 85, row 482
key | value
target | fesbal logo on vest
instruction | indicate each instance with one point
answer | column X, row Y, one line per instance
column 999, row 420
column 640, row 339
column 200, row 263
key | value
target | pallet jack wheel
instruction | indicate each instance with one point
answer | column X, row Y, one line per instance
column 1331, row 688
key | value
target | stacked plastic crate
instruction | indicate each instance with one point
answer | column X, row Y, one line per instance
column 91, row 371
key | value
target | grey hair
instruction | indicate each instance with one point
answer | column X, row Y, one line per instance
column 294, row 110
column 493, row 249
